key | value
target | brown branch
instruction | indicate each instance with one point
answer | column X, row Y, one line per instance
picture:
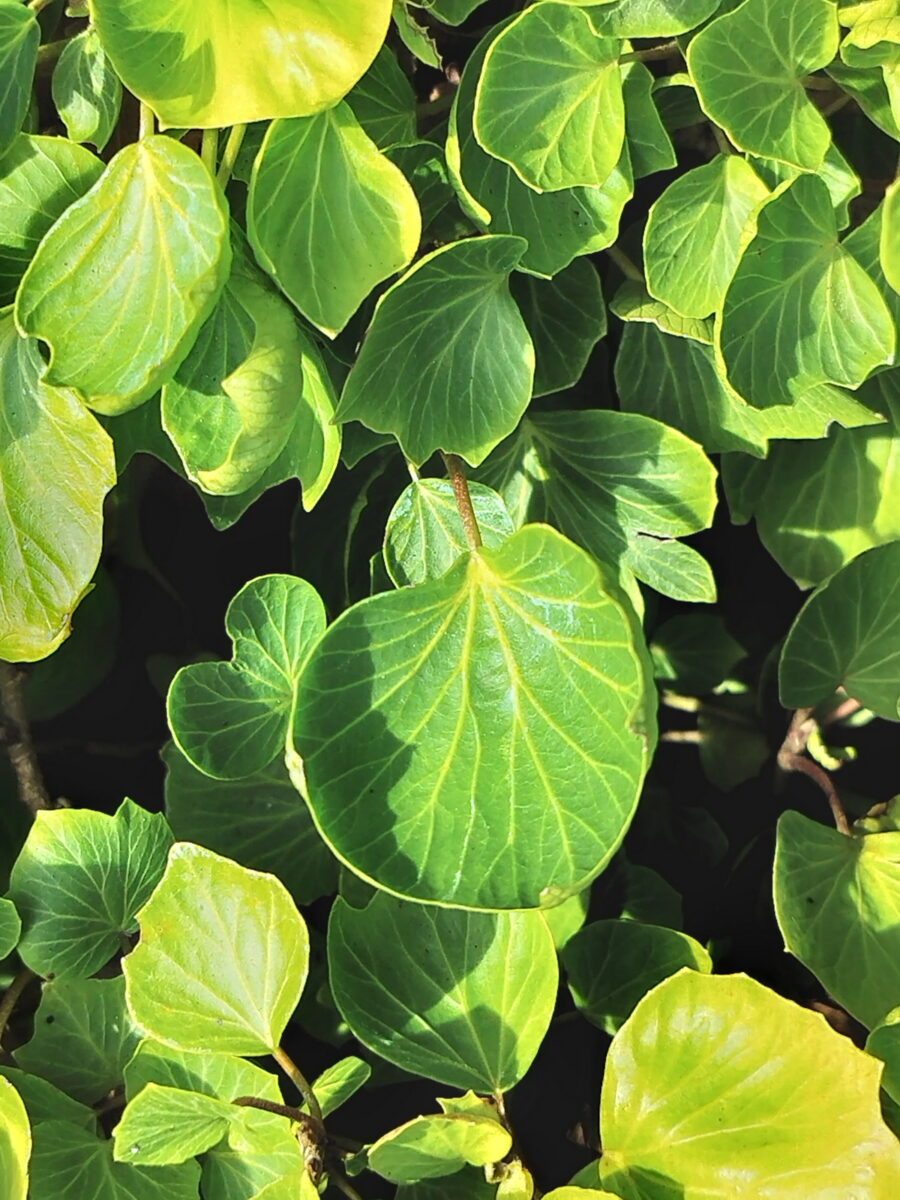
column 13, row 996
column 457, row 473
column 792, row 757
column 17, row 736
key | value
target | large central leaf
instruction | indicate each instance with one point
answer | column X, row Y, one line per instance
column 226, row 62
column 480, row 740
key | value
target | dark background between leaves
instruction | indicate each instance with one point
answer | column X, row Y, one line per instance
column 174, row 576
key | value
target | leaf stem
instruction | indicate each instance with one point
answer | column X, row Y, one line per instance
column 230, row 153
column 820, row 83
column 12, row 996
column 792, row 757
column 628, row 268
column 343, row 1184
column 209, row 150
column 722, row 141
column 38, row 6
column 300, row 1082
column 457, row 473
column 147, row 122
column 50, row 52
column 15, row 732
column 652, row 53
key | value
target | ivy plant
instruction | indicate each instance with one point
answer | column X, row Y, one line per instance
column 449, row 600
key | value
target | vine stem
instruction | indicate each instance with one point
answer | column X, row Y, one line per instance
column 457, row 473
column 820, row 83
column 300, row 1081
column 230, row 153
column 722, row 141
column 792, row 757
column 209, row 149
column 147, row 122
column 37, row 6
column 12, row 997
column 19, row 745
column 628, row 268
column 652, row 53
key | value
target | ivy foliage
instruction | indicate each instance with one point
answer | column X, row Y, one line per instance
column 576, row 286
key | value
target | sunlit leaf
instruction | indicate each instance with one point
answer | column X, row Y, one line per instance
column 549, row 100
column 433, row 1147
column 437, row 706
column 453, row 306
column 339, row 1083
column 723, row 1063
column 836, row 899
column 44, row 1102
column 79, row 882
column 19, row 38
column 226, row 64
column 83, row 1037
column 15, row 1141
column 86, row 90
column 142, row 257
column 384, row 102
column 355, row 224
column 10, row 927
column 222, row 1076
column 233, row 977
column 463, row 998
column 230, row 719
column 650, row 148
column 749, row 66
column 884, row 1043
column 651, row 18
column 164, row 1126
column 848, row 635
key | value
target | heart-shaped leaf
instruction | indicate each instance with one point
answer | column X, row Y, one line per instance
column 142, row 257
column 549, row 100
column 78, row 884
column 836, row 899
column 222, row 959
column 448, row 1013
column 723, row 1063
column 355, row 224
column 457, row 300
column 437, row 705
column 433, row 1147
column 230, row 720
column 227, row 63
column 848, row 635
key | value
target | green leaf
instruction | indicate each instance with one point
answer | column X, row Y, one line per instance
column 79, row 882
column 836, row 899
column 271, row 1153
column 651, row 18
column 889, row 246
column 799, row 309
column 549, row 100
column 578, row 1193
column 839, row 177
column 632, row 302
column 693, row 234
column 44, row 1102
column 558, row 226
column 567, row 918
column 848, row 635
column 617, row 484
column 384, row 102
column 868, row 88
column 65, row 1157
column 425, row 535
column 39, row 178
column 611, row 964
column 230, row 407
column 433, row 1147
column 694, row 651
column 162, row 1126
column 230, row 720
column 648, row 898
column 228, row 64
column 256, row 821
column 677, row 381
column 339, row 1083
column 19, row 38
column 15, row 1141
column 436, row 706
column 296, row 1186
column 423, row 165
column 222, row 958
column 884, row 1043
column 566, row 317
column 454, row 12
column 748, row 67
column 468, row 1184
column 142, row 257
column 455, row 308
column 809, row 521
column 86, row 90
column 463, row 998
column 222, row 1076
column 775, row 1098
column 83, row 1037
column 649, row 145
column 49, row 552
column 356, row 221
column 10, row 927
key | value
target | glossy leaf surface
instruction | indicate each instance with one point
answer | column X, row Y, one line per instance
column 86, row 90
column 19, row 38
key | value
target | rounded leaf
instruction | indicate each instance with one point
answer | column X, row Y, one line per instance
column 10, row 927
column 228, row 62
column 222, row 959
column 463, row 998
column 469, row 686
column 15, row 1142
column 86, row 90
column 433, row 1147
column 715, row 1082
